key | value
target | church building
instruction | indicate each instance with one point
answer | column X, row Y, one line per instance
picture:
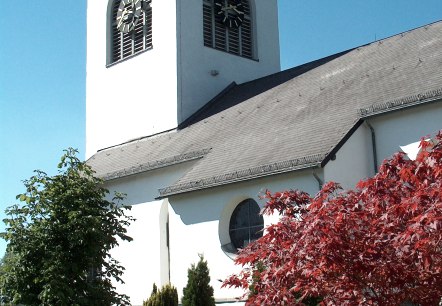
column 188, row 113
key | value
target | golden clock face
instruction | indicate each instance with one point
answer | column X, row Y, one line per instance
column 229, row 12
column 128, row 14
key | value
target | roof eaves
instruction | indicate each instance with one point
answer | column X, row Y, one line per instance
column 156, row 164
column 414, row 100
column 306, row 162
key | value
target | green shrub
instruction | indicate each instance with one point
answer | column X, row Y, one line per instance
column 198, row 291
column 167, row 296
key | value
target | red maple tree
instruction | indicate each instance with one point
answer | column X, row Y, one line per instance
column 380, row 244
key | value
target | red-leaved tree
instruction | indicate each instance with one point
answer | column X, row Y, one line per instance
column 380, row 244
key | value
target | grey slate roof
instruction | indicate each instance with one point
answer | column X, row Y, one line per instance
column 291, row 120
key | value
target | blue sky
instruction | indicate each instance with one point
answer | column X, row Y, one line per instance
column 43, row 68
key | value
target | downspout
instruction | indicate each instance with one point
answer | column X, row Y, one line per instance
column 168, row 245
column 318, row 179
column 373, row 142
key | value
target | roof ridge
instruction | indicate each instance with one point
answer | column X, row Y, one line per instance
column 401, row 33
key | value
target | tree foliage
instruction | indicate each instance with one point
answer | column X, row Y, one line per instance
column 380, row 244
column 198, row 291
column 59, row 239
column 5, row 267
column 167, row 296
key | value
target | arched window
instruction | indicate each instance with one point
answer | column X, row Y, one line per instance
column 232, row 38
column 246, row 224
column 124, row 45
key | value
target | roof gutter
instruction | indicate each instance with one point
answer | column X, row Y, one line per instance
column 414, row 100
column 307, row 162
column 156, row 164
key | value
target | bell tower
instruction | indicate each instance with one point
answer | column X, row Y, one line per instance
column 153, row 63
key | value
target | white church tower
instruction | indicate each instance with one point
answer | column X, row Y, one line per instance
column 153, row 63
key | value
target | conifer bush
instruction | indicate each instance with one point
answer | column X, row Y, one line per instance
column 167, row 296
column 198, row 291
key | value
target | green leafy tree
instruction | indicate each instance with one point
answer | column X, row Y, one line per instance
column 3, row 297
column 167, row 296
column 6, row 265
column 59, row 239
column 198, row 291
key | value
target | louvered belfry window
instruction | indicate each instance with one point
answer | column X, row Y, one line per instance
column 124, row 45
column 238, row 41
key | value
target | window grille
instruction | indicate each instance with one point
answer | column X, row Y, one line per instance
column 124, row 45
column 238, row 41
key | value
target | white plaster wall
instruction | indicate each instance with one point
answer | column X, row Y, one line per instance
column 196, row 86
column 405, row 127
column 195, row 226
column 146, row 257
column 144, row 187
column 354, row 161
column 159, row 88
column 141, row 258
column 136, row 97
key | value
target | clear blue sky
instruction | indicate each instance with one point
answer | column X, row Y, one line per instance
column 43, row 58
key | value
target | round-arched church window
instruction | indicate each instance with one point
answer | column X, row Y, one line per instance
column 246, row 224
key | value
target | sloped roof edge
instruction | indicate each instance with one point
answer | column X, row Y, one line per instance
column 243, row 175
column 127, row 142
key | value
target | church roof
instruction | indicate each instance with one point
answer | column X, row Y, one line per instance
column 291, row 120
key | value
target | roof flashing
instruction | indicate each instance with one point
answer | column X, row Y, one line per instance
column 306, row 162
column 156, row 164
column 380, row 108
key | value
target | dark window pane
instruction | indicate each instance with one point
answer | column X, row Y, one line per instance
column 254, row 216
column 240, row 216
column 240, row 238
column 245, row 224
column 256, row 232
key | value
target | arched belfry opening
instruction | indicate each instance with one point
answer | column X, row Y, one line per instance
column 129, row 29
column 228, row 26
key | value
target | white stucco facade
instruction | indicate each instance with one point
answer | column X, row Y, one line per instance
column 355, row 159
column 157, row 89
column 196, row 85
column 198, row 224
column 136, row 97
column 403, row 127
column 146, row 258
